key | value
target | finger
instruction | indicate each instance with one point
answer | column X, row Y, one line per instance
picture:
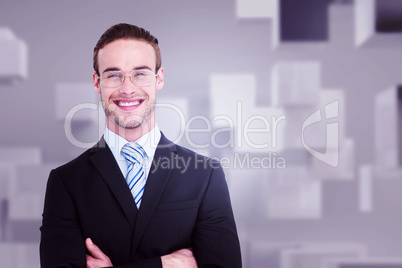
column 95, row 251
column 89, row 261
column 186, row 251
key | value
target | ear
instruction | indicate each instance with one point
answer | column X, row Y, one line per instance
column 159, row 79
column 96, row 80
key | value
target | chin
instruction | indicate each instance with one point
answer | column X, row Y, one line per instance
column 129, row 125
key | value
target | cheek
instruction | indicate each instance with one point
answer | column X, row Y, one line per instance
column 151, row 93
column 106, row 94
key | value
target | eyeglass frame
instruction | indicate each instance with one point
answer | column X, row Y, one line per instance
column 124, row 78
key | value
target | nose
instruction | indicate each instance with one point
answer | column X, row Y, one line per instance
column 127, row 88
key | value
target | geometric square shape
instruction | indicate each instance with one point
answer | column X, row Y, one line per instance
column 365, row 188
column 294, row 134
column 388, row 128
column 229, row 91
column 310, row 256
column 233, row 105
column 378, row 23
column 27, row 206
column 326, row 134
column 14, row 57
column 19, row 255
column 257, row 9
column 345, row 167
column 296, row 84
column 388, row 16
column 248, row 188
column 294, row 194
column 259, row 129
column 76, row 100
column 28, row 191
column 172, row 117
column 369, row 262
column 304, row 20
column 14, row 155
column 268, row 253
column 7, row 178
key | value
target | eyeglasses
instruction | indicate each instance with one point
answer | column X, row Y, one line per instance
column 140, row 78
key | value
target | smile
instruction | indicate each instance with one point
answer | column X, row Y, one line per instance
column 122, row 103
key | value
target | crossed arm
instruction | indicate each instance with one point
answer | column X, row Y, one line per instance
column 182, row 258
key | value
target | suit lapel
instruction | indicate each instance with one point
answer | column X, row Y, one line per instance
column 106, row 165
column 157, row 179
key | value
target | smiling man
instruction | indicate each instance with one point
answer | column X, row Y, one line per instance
column 114, row 206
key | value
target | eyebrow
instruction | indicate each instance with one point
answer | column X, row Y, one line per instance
column 111, row 69
column 142, row 67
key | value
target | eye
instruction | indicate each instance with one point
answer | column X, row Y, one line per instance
column 111, row 75
column 137, row 74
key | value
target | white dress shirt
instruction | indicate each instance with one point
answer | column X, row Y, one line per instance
column 149, row 142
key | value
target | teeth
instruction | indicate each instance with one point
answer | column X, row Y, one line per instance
column 129, row 103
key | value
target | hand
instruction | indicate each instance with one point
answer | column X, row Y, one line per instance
column 182, row 258
column 98, row 258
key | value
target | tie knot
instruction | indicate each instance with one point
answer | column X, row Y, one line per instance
column 134, row 153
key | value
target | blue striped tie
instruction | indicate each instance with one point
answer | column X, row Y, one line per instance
column 136, row 177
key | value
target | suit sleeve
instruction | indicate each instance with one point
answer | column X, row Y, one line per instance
column 215, row 241
column 62, row 244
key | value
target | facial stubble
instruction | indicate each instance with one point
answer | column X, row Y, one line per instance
column 131, row 122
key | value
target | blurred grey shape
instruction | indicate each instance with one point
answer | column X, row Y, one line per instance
column 76, row 100
column 294, row 193
column 16, row 155
column 219, row 41
column 172, row 115
column 386, row 192
column 296, row 83
column 14, row 57
column 346, row 166
column 365, row 188
column 259, row 129
column 388, row 16
column 292, row 21
column 341, row 18
column 314, row 255
column 248, row 186
column 3, row 219
column 23, row 230
column 340, row 202
column 304, row 20
column 233, row 105
column 27, row 191
column 388, row 127
column 344, row 2
column 378, row 23
column 326, row 97
column 19, row 255
column 257, row 9
column 267, row 253
column 370, row 262
column 7, row 178
column 228, row 91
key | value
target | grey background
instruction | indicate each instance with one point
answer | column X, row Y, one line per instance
column 200, row 39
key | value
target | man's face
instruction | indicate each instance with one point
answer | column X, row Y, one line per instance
column 128, row 106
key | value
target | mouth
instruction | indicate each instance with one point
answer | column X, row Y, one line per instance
column 127, row 104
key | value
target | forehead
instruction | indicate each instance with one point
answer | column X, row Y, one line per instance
column 126, row 54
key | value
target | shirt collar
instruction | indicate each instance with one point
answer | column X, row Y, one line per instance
column 149, row 142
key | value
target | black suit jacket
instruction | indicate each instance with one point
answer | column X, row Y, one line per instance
column 183, row 206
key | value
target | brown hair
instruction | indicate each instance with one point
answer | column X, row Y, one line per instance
column 126, row 31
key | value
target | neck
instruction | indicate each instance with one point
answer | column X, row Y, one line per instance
column 131, row 134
